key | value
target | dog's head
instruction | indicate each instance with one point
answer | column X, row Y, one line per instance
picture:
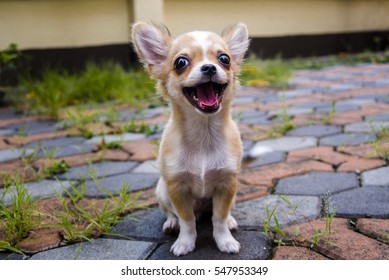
column 198, row 69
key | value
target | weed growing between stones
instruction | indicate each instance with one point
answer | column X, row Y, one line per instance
column 49, row 153
column 140, row 127
column 56, row 167
column 283, row 125
column 7, row 179
column 329, row 118
column 57, row 89
column 329, row 212
column 73, row 216
column 17, row 219
column 82, row 223
column 274, row 231
column 29, row 158
column 380, row 145
column 271, row 230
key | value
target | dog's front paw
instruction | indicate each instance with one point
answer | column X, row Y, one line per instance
column 171, row 225
column 228, row 244
column 183, row 246
column 232, row 224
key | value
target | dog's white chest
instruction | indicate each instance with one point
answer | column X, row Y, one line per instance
column 203, row 170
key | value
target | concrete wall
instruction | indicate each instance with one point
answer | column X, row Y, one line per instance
column 35, row 24
column 63, row 23
column 269, row 18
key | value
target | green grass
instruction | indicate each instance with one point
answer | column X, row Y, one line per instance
column 17, row 219
column 283, row 124
column 107, row 82
column 79, row 223
column 56, row 167
column 76, row 219
column 274, row 231
column 329, row 118
column 140, row 127
column 382, row 139
column 276, row 72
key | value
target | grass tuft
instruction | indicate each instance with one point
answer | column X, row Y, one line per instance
column 18, row 218
column 98, row 83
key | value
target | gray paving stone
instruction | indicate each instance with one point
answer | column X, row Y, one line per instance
column 317, row 183
column 254, row 117
column 347, row 139
column 65, row 151
column 251, row 214
column 376, row 177
column 56, row 142
column 114, row 138
column 150, row 166
column 289, row 94
column 267, row 98
column 251, row 115
column 313, row 104
column 382, row 83
column 37, row 190
column 296, row 81
column 367, row 97
column 286, row 144
column 144, row 225
column 370, row 202
column 340, row 87
column 356, row 102
column 244, row 99
column 383, row 99
column 156, row 136
column 254, row 246
column 267, row 158
column 11, row 256
column 339, row 108
column 151, row 113
column 247, row 145
column 6, row 131
column 315, row 131
column 366, row 127
column 35, row 127
column 12, row 154
column 101, row 169
column 378, row 118
column 100, row 249
column 127, row 115
column 292, row 111
column 114, row 184
column 8, row 114
column 61, row 147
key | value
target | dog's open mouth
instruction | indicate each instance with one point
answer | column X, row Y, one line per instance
column 205, row 97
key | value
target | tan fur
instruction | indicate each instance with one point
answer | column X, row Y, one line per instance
column 200, row 153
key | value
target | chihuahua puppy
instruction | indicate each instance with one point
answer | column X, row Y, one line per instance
column 200, row 151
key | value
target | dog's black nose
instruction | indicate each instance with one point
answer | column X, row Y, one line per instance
column 208, row 69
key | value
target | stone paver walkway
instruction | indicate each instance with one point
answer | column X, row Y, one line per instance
column 333, row 161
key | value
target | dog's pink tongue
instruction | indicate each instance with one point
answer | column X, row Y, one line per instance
column 207, row 98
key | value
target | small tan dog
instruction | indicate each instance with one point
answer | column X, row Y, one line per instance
column 201, row 150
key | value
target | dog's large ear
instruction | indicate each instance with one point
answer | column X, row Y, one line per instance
column 151, row 43
column 237, row 39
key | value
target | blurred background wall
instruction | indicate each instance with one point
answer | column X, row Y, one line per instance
column 70, row 32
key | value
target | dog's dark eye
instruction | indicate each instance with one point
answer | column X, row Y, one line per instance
column 181, row 63
column 224, row 59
